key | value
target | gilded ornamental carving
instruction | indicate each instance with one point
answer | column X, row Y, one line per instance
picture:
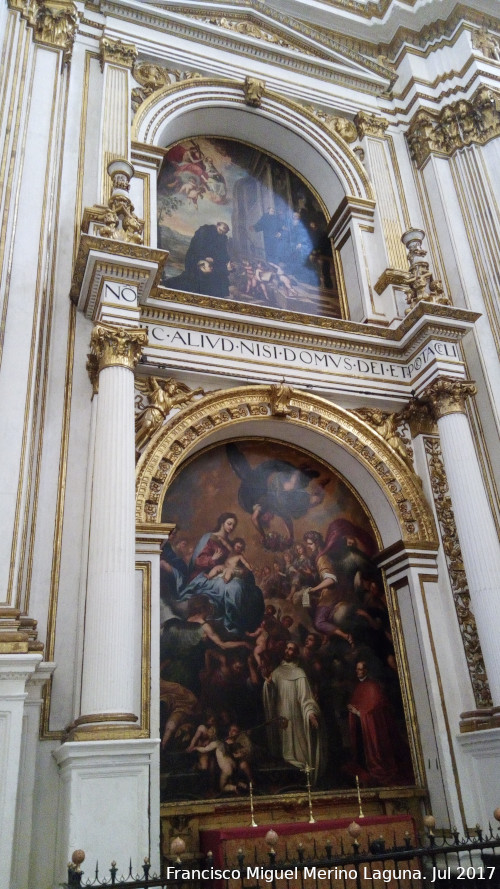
column 117, row 53
column 460, row 124
column 392, row 428
column 420, row 285
column 116, row 219
column 370, row 125
column 254, row 89
column 342, row 126
column 113, row 346
column 154, row 403
column 447, row 395
column 154, row 77
column 54, row 22
column 486, row 43
column 458, row 580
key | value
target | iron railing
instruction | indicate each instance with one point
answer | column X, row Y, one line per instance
column 428, row 862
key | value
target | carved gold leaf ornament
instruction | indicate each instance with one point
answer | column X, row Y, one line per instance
column 153, row 78
column 254, row 89
column 113, row 346
column 223, row 410
column 116, row 52
column 54, row 22
column 391, row 428
column 457, row 125
column 447, row 395
column 370, row 125
column 458, row 580
column 161, row 396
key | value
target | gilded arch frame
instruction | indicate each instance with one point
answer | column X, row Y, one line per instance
column 225, row 409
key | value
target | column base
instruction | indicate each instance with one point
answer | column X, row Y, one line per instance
column 104, row 794
column 104, row 727
column 482, row 748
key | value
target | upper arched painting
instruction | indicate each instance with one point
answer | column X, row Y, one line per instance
column 240, row 225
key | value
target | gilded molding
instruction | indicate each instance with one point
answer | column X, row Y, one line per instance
column 458, row 580
column 219, row 411
column 253, row 90
column 392, row 428
column 391, row 277
column 447, row 395
column 116, row 346
column 370, row 125
column 18, row 632
column 154, row 402
column 117, row 53
column 457, row 125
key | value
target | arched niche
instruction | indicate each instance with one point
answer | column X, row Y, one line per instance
column 198, row 107
column 390, row 490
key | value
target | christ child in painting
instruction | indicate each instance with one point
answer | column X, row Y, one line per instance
column 235, row 564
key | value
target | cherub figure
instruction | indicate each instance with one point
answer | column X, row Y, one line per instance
column 235, row 564
column 163, row 395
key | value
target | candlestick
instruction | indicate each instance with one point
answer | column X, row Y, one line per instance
column 253, row 822
column 307, row 769
column 359, row 798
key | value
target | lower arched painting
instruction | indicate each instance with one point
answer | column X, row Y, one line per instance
column 277, row 655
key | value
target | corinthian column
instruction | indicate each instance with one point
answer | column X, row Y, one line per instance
column 476, row 528
column 108, row 664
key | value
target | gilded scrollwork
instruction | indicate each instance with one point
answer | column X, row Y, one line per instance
column 223, row 409
column 457, row 125
column 447, row 395
column 112, row 346
column 458, row 580
column 153, row 78
column 155, row 400
column 116, row 52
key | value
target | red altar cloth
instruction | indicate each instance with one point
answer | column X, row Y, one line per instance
column 224, row 844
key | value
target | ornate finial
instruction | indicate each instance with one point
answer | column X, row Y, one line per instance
column 77, row 858
column 420, row 281
column 254, row 89
column 116, row 219
column 177, row 847
column 279, row 397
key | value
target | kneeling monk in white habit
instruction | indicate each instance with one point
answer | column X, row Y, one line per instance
column 295, row 730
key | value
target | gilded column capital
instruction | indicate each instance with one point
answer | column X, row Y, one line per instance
column 370, row 125
column 447, row 396
column 420, row 418
column 117, row 52
column 114, row 347
column 54, row 22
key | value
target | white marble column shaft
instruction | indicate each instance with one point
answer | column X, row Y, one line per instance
column 478, row 538
column 109, row 661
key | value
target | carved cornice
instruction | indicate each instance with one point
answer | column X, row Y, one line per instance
column 462, row 123
column 219, row 411
column 115, row 347
column 458, row 580
column 370, row 125
column 447, row 396
column 116, row 52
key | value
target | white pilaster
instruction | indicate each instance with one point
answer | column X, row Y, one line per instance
column 15, row 671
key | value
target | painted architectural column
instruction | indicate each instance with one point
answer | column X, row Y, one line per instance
column 109, row 665
column 476, row 528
